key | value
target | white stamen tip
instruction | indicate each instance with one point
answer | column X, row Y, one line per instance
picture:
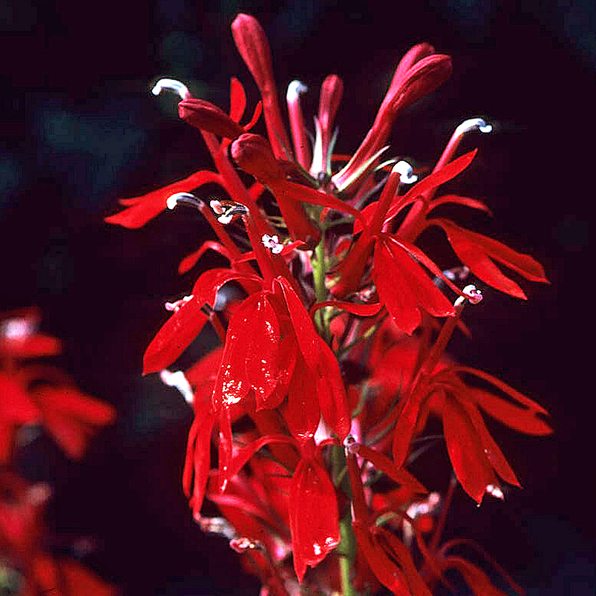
column 295, row 89
column 179, row 381
column 175, row 306
column 473, row 124
column 272, row 243
column 172, row 202
column 171, row 85
column 495, row 491
column 473, row 294
column 17, row 329
column 226, row 211
column 405, row 171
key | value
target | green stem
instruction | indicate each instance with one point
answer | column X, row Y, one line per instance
column 319, row 267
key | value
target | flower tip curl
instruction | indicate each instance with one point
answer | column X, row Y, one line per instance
column 171, row 85
column 295, row 89
column 473, row 124
column 179, row 381
column 405, row 171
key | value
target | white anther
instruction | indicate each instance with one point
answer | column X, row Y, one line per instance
column 473, row 294
column 495, row 491
column 179, row 381
column 473, row 124
column 17, row 329
column 295, row 89
column 171, row 85
column 272, row 243
column 175, row 306
column 405, row 171
column 186, row 198
column 226, row 211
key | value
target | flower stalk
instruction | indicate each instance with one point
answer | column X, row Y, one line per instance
column 334, row 326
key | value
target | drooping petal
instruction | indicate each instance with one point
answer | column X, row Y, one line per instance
column 491, row 449
column 179, row 331
column 191, row 260
column 314, row 519
column 232, row 383
column 306, row 335
column 475, row 578
column 262, row 350
column 466, row 451
column 478, row 252
column 301, row 411
column 198, row 457
column 332, row 393
column 520, row 419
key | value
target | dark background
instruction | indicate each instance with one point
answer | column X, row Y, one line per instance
column 80, row 130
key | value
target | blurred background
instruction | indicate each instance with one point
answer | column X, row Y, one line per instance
column 80, row 130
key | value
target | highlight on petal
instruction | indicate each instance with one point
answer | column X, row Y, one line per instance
column 174, row 337
column 314, row 519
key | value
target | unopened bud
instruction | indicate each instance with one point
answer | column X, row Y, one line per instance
column 208, row 117
column 253, row 154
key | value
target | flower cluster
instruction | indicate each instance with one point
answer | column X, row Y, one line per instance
column 34, row 394
column 333, row 324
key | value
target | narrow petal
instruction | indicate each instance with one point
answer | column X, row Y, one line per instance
column 466, row 451
column 491, row 449
column 174, row 337
column 314, row 520
column 144, row 208
column 237, row 99
column 332, row 393
column 520, row 419
column 209, row 118
column 478, row 252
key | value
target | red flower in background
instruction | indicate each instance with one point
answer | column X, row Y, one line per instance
column 34, row 393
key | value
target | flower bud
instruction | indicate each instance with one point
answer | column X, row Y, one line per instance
column 208, row 117
column 253, row 154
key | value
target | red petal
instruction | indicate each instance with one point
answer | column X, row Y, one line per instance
column 332, row 393
column 16, row 405
column 394, row 291
column 74, row 403
column 198, row 458
column 466, row 452
column 306, row 335
column 301, row 411
column 209, row 283
column 432, row 181
column 476, row 251
column 510, row 391
column 385, row 570
column 237, row 99
column 262, row 350
column 360, row 310
column 475, row 578
column 457, row 200
column 190, row 261
column 512, row 416
column 232, row 383
column 174, row 337
column 144, row 208
column 314, row 520
column 383, row 463
column 402, row 555
column 491, row 449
